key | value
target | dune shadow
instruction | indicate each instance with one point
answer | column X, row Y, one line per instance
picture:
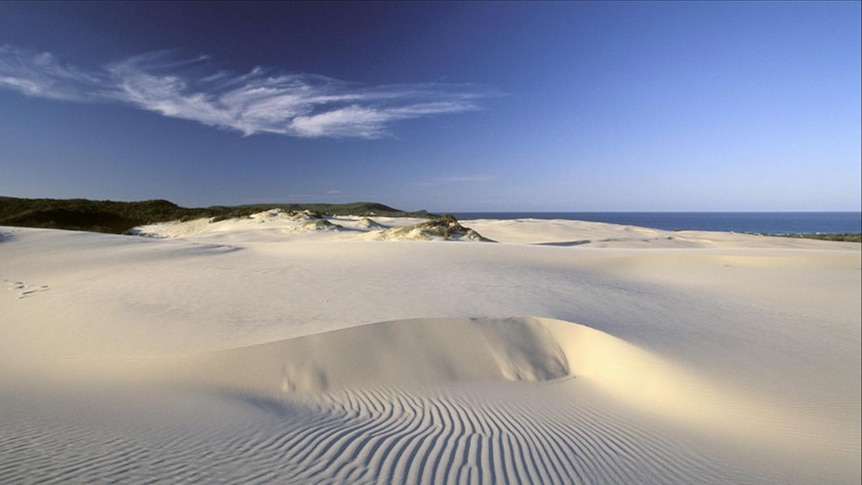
column 281, row 408
column 206, row 248
column 565, row 244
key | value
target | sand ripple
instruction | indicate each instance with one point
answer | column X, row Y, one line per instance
column 496, row 434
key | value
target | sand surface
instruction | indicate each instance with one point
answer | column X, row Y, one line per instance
column 283, row 349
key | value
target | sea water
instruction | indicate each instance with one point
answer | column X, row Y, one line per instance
column 752, row 222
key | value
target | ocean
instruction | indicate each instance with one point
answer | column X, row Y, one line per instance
column 753, row 222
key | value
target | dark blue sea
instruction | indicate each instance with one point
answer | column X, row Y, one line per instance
column 754, row 222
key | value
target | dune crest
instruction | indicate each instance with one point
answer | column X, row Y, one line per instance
column 434, row 351
column 397, row 353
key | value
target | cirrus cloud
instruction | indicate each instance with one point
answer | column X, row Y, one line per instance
column 300, row 105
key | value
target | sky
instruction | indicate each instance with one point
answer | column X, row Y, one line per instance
column 444, row 106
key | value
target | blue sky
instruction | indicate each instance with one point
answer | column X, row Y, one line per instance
column 609, row 106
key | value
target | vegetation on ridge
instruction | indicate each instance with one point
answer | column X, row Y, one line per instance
column 444, row 227
column 841, row 236
column 118, row 217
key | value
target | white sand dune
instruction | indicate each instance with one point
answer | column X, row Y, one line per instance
column 276, row 224
column 257, row 351
column 403, row 353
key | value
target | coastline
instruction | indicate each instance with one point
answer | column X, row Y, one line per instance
column 766, row 223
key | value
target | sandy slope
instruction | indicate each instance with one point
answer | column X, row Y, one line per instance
column 271, row 350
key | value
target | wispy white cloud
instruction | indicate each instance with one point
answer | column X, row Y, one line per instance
column 302, row 105
column 42, row 75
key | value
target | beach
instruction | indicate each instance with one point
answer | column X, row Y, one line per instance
column 284, row 348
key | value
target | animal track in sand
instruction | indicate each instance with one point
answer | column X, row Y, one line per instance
column 24, row 290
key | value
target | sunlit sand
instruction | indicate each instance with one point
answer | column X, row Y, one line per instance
column 280, row 348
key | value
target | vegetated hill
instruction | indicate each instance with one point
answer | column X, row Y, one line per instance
column 89, row 215
column 119, row 217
